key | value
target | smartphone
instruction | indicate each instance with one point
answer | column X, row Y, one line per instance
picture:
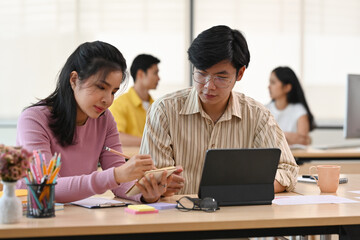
column 157, row 173
column 311, row 179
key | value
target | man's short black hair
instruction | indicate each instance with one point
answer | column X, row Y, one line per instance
column 217, row 44
column 143, row 62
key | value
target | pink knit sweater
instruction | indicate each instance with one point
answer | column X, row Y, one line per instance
column 78, row 177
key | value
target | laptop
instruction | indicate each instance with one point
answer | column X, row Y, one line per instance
column 239, row 176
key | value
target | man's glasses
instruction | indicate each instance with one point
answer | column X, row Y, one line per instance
column 187, row 204
column 220, row 82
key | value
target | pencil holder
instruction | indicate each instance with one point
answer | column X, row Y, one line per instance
column 41, row 200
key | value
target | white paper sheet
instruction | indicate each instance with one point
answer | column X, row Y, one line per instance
column 311, row 199
column 358, row 192
column 298, row 146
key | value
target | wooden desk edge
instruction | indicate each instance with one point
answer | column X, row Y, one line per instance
column 172, row 227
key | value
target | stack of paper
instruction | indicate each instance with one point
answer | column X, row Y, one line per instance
column 163, row 205
column 311, row 199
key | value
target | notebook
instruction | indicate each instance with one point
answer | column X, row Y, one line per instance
column 239, row 176
column 96, row 202
column 157, row 173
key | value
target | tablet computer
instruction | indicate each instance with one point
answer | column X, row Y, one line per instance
column 239, row 176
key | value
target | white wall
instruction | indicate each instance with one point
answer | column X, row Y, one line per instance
column 38, row 36
column 318, row 39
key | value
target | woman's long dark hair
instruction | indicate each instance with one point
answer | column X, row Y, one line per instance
column 287, row 76
column 88, row 59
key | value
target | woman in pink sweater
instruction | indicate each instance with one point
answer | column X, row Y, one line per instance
column 75, row 121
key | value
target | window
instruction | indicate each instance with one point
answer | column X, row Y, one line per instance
column 41, row 34
column 317, row 38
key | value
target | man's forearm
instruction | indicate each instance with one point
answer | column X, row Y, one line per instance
column 278, row 187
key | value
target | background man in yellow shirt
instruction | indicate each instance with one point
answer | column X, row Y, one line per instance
column 129, row 109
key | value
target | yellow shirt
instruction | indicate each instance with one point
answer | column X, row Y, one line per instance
column 129, row 114
column 178, row 132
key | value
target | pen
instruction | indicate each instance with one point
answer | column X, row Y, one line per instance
column 116, row 152
column 53, row 175
column 34, row 194
column 51, row 164
column 37, row 163
column 102, row 205
column 309, row 176
column 35, row 173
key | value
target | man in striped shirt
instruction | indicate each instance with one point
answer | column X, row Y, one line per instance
column 181, row 126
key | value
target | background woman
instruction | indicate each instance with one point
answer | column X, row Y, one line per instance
column 75, row 121
column 289, row 106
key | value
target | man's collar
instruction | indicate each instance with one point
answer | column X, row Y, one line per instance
column 192, row 105
column 233, row 108
column 136, row 99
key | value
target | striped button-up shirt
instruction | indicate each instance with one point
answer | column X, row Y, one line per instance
column 178, row 132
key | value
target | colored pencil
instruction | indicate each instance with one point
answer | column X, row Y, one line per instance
column 116, row 152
